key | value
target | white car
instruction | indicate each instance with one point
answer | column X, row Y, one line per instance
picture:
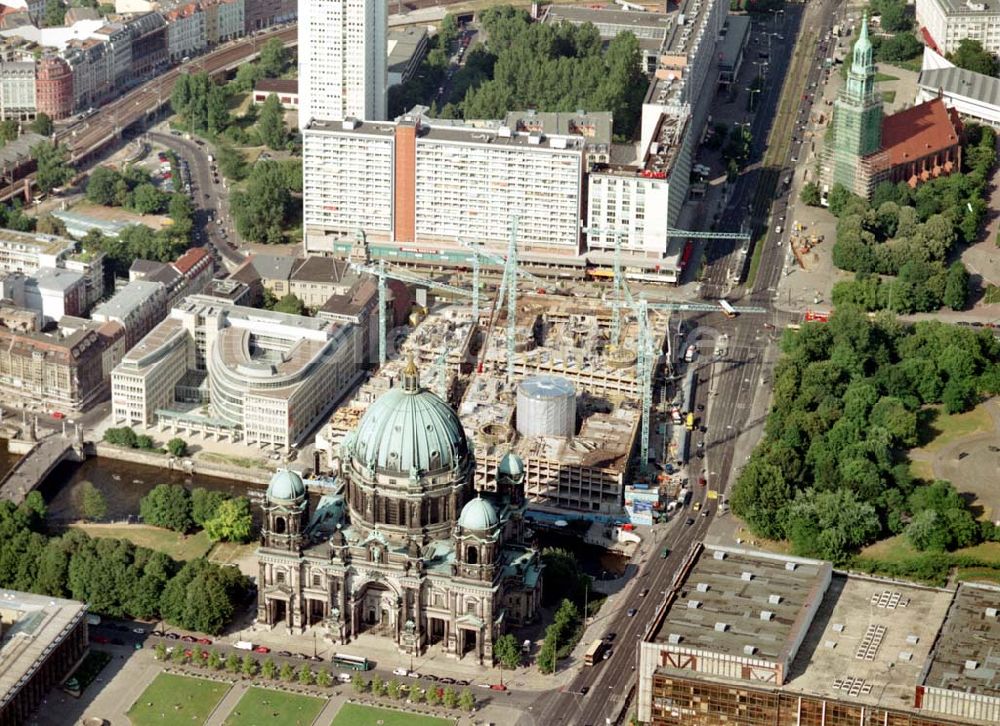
column 344, row 678
column 399, row 671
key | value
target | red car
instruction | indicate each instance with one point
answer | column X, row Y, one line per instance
column 498, row 687
column 261, row 649
column 189, row 639
column 58, row 415
column 205, row 641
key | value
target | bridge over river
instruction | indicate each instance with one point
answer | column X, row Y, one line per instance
column 38, row 463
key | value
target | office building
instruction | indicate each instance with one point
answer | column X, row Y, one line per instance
column 27, row 252
column 406, row 48
column 973, row 96
column 286, row 89
column 342, row 60
column 17, row 90
column 137, row 307
column 250, row 375
column 758, row 638
column 444, row 568
column 948, row 22
column 44, row 637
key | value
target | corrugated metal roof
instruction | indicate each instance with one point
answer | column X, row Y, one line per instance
column 960, row 82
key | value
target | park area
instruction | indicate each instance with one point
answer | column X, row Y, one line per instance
column 353, row 714
column 180, row 546
column 172, row 699
column 260, row 706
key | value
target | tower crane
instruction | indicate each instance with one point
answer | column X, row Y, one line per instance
column 382, row 274
column 477, row 254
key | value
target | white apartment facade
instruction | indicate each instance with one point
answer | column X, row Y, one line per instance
column 17, row 90
column 342, row 59
column 27, row 252
column 414, row 182
column 950, row 21
column 144, row 380
column 186, row 33
column 630, row 204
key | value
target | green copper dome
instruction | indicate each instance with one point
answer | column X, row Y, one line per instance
column 511, row 465
column 286, row 485
column 478, row 515
column 410, row 430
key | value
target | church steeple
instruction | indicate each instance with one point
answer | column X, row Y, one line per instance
column 861, row 77
column 411, row 377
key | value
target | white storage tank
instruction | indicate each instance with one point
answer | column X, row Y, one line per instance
column 546, row 406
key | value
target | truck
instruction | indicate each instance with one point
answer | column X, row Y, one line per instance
column 243, row 645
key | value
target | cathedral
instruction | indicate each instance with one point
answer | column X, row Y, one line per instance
column 401, row 545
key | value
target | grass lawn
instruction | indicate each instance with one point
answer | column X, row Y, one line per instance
column 172, row 699
column 229, row 552
column 946, row 428
column 922, row 470
column 241, row 461
column 888, row 96
column 178, row 546
column 897, row 549
column 351, row 714
column 883, row 77
column 263, row 706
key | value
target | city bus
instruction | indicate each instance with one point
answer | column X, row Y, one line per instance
column 593, row 654
column 351, row 662
column 727, row 309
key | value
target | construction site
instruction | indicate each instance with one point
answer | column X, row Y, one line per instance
column 564, row 382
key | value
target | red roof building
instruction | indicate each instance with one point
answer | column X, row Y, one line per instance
column 919, row 143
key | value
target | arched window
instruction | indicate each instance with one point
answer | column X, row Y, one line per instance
column 472, row 556
column 279, row 525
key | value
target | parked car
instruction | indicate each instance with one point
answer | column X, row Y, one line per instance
column 284, row 653
column 189, row 639
column 399, row 671
column 261, row 649
column 610, row 637
column 644, row 592
column 205, row 641
column 446, row 680
column 631, row 612
column 584, row 690
column 689, row 521
column 344, row 677
column 171, row 635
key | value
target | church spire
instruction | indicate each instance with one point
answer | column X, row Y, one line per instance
column 862, row 63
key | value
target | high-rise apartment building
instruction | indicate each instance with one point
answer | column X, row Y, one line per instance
column 342, row 59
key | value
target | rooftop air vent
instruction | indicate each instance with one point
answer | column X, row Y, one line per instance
column 766, row 615
column 721, row 627
column 831, row 644
column 694, row 604
column 790, row 566
column 774, row 599
column 749, row 649
column 702, row 587
column 838, row 627
column 912, row 639
column 349, row 123
column 504, row 132
column 991, row 612
column 746, row 576
column 905, row 656
column 971, row 665
column 674, row 638
column 719, row 555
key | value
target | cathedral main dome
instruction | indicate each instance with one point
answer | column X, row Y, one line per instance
column 409, row 429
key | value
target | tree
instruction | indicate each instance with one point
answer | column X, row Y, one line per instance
column 467, row 701
column 92, row 503
column 760, row 496
column 810, row 194
column 205, row 503
column 249, row 666
column 971, row 56
column 830, row 524
column 957, row 286
column 290, row 304
column 47, row 224
column 392, row 688
column 271, row 123
column 287, row 673
column 450, row 698
column 55, row 14
column 323, row 679
column 178, row 656
column 928, row 530
column 122, row 436
column 272, row 58
column 305, row 675
column 563, row 572
column 101, row 186
column 894, row 18
column 433, row 698
column 160, row 651
column 214, row 660
column 53, row 169
column 9, row 130
column 359, row 684
column 42, row 124
column 268, row 669
column 507, row 652
column 232, row 522
column 261, row 211
column 167, row 506
column 233, row 663
column 377, row 685
column 147, row 199
column 247, row 76
column 144, row 442
column 177, row 447
column 217, row 109
column 231, row 163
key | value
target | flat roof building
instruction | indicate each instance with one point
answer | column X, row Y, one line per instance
column 28, row 251
column 650, row 29
column 948, row 22
column 220, row 369
column 406, row 50
column 43, row 638
column 972, row 95
column 779, row 639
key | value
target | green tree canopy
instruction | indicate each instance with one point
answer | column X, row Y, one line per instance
column 42, row 124
column 53, row 166
column 167, row 506
column 271, row 123
column 93, row 506
column 232, row 522
column 262, row 211
column 971, row 56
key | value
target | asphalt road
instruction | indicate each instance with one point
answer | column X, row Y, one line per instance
column 729, row 384
column 211, row 200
